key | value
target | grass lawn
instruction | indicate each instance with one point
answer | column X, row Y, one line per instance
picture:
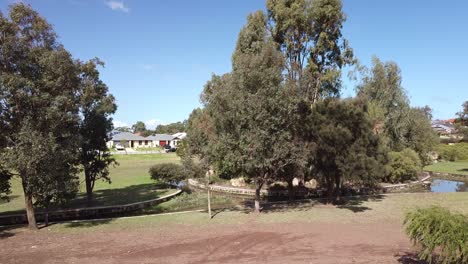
column 456, row 167
column 382, row 209
column 130, row 183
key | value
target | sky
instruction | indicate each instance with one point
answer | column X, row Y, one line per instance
column 159, row 54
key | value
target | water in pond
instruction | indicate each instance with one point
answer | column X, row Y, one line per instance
column 439, row 185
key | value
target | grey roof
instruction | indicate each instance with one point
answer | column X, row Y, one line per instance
column 158, row 137
column 127, row 136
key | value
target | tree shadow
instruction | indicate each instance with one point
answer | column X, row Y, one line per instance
column 118, row 196
column 465, row 169
column 6, row 231
column 8, row 198
column 352, row 203
column 88, row 223
column 409, row 258
column 355, row 203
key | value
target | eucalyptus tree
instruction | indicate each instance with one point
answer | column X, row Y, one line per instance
column 249, row 117
column 403, row 126
column 39, row 87
column 309, row 35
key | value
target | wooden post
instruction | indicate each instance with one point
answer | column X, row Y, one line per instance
column 209, row 200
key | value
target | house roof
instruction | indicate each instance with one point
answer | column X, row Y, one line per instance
column 180, row 135
column 158, row 137
column 127, row 136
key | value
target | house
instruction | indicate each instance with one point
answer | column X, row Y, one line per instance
column 443, row 127
column 129, row 140
column 160, row 140
column 177, row 137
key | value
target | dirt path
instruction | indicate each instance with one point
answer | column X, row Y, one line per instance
column 251, row 243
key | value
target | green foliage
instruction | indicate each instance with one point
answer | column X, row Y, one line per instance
column 462, row 122
column 5, row 186
column 39, row 84
column 95, row 125
column 171, row 128
column 403, row 126
column 167, row 172
column 458, row 151
column 439, row 232
column 348, row 152
column 139, row 127
column 404, row 166
column 310, row 39
column 419, row 134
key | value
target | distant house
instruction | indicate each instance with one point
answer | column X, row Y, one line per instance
column 177, row 137
column 129, row 140
column 443, row 127
column 160, row 140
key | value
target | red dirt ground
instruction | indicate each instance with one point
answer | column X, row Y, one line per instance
column 250, row 243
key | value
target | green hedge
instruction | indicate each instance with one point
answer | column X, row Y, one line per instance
column 404, row 166
column 439, row 232
column 167, row 172
column 458, row 151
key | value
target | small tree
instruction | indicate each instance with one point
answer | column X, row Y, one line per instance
column 95, row 126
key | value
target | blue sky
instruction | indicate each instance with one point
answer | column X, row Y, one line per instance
column 159, row 54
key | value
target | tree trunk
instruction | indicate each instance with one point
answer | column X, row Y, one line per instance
column 46, row 217
column 258, row 187
column 89, row 189
column 329, row 190
column 291, row 193
column 30, row 211
column 337, row 189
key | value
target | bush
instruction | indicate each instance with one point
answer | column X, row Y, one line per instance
column 436, row 230
column 192, row 168
column 404, row 166
column 167, row 172
column 458, row 151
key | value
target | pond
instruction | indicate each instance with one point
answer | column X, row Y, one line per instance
column 439, row 185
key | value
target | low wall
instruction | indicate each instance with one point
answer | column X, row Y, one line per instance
column 87, row 213
column 241, row 191
column 448, row 176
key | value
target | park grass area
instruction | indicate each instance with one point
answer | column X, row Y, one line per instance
column 378, row 209
column 130, row 183
column 455, row 167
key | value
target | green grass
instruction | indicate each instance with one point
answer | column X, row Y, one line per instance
column 149, row 149
column 191, row 201
column 456, row 167
column 130, row 183
column 383, row 209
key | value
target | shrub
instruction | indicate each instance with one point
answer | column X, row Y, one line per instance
column 167, row 172
column 436, row 230
column 192, row 168
column 404, row 166
column 458, row 151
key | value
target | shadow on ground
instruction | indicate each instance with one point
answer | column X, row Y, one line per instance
column 409, row 258
column 7, row 231
column 352, row 203
column 108, row 197
column 88, row 223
